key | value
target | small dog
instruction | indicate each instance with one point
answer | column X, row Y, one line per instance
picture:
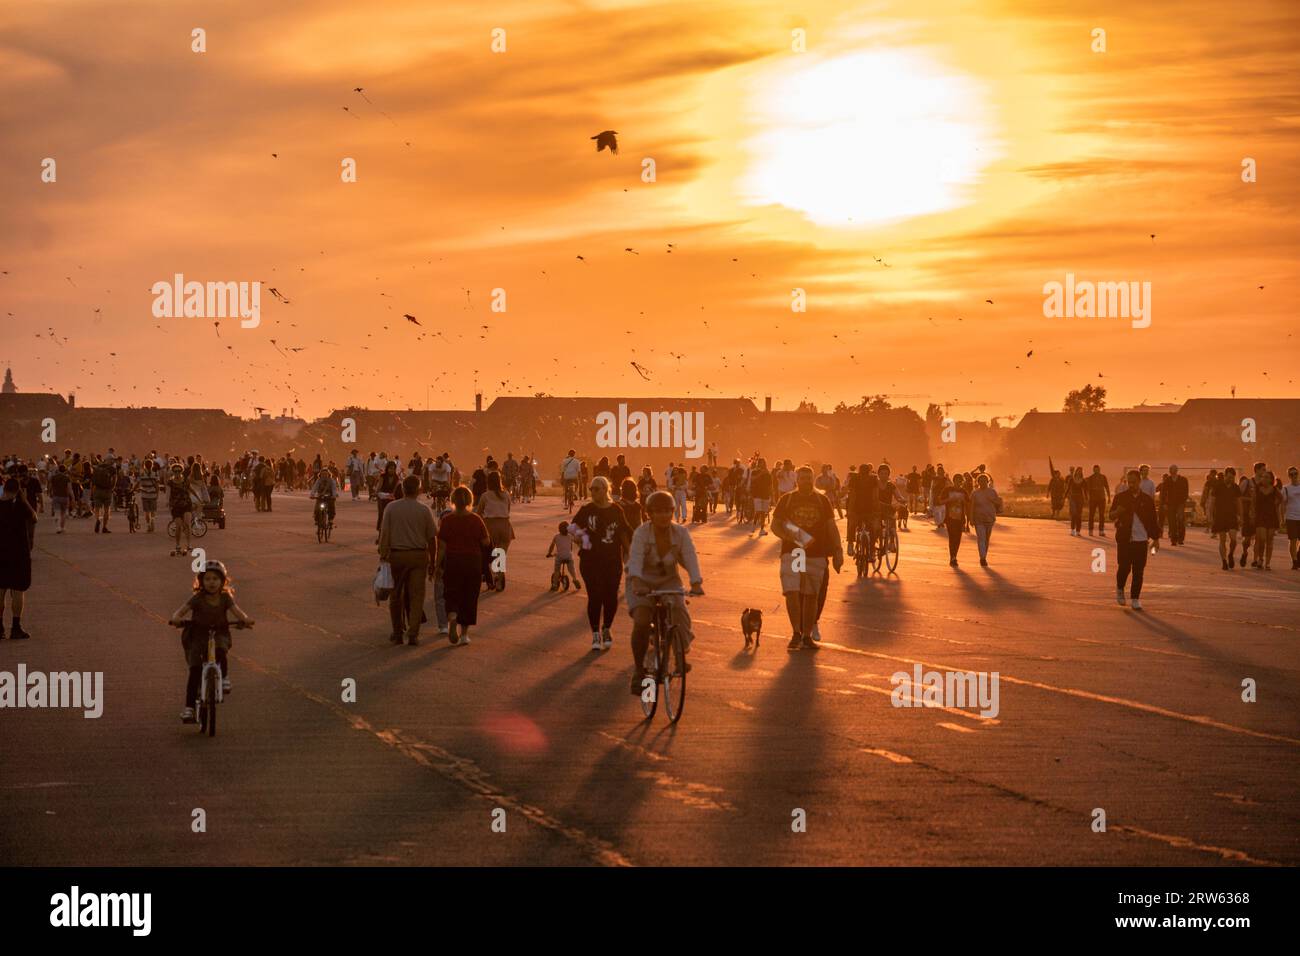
column 751, row 624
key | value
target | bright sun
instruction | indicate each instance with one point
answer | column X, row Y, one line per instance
column 867, row 138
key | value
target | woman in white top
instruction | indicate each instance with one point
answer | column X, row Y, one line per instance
column 658, row 551
column 494, row 508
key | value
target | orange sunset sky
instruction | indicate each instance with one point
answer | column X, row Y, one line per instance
column 917, row 159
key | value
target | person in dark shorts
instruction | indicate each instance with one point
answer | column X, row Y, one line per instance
column 1291, row 511
column 1225, row 498
column 16, row 515
column 1098, row 499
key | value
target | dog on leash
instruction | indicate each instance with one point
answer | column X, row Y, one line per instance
column 751, row 624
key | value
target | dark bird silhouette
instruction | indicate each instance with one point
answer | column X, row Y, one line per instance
column 410, row 318
column 989, row 301
column 641, row 371
column 607, row 139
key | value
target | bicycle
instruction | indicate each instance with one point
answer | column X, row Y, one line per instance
column 198, row 527
column 665, row 660
column 886, row 551
column 210, row 693
column 324, row 524
column 133, row 516
column 570, row 495
column 863, row 549
column 441, row 492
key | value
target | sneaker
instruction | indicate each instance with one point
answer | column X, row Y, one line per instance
column 187, row 716
column 464, row 639
column 808, row 644
column 442, row 631
column 16, row 633
column 1119, row 597
column 595, row 640
column 606, row 639
column 1137, row 605
column 816, row 633
column 796, row 641
column 225, row 686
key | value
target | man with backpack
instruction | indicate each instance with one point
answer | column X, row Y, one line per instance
column 103, row 478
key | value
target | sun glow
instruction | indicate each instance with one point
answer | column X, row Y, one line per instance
column 867, row 138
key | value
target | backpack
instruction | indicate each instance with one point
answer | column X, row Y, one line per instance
column 103, row 478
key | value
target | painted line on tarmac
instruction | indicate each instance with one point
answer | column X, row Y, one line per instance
column 1180, row 842
column 1198, row 719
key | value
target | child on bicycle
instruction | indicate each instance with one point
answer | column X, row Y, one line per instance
column 562, row 548
column 203, row 613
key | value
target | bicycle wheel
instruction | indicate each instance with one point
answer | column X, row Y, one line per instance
column 172, row 527
column 674, row 679
column 329, row 527
column 199, row 528
column 210, row 703
column 651, row 690
column 891, row 550
column 877, row 551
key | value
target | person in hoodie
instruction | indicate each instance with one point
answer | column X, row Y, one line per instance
column 1137, row 529
column 985, row 506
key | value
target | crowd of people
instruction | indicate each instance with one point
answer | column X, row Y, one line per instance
column 631, row 532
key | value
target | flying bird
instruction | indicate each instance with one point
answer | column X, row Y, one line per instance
column 410, row 318
column 607, row 140
column 641, row 371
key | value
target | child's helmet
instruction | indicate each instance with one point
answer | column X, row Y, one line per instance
column 216, row 566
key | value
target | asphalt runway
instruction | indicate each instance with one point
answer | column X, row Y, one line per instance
column 1139, row 714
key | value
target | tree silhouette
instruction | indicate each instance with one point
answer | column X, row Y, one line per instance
column 1090, row 398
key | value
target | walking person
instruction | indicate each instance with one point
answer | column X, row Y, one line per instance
column 408, row 541
column 805, row 523
column 956, row 505
column 462, row 537
column 986, row 505
column 1137, row 533
column 1098, row 499
column 1225, row 503
column 604, row 534
column 1291, row 505
column 1056, row 494
column 386, row 490
column 181, row 506
column 1268, row 508
column 494, row 508
column 1174, row 493
column 1075, row 490
column 16, row 516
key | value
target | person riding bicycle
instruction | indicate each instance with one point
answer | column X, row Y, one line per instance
column 570, row 472
column 440, row 478
column 326, row 489
column 658, row 550
column 205, row 613
column 562, row 548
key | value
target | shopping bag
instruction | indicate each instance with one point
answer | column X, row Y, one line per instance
column 383, row 582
